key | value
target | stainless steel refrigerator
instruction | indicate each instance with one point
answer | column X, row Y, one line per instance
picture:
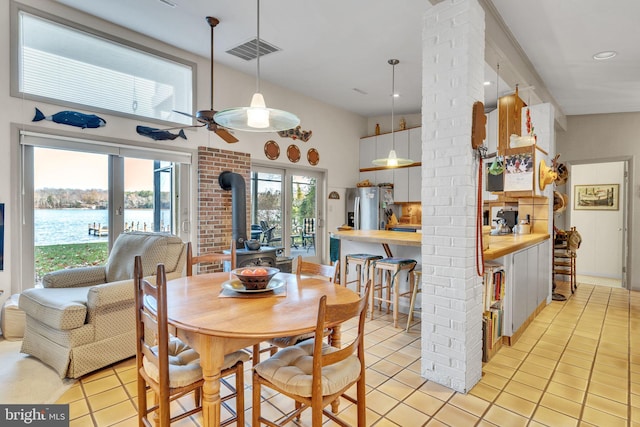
column 366, row 206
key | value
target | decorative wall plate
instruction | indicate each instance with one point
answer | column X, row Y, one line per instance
column 271, row 150
column 293, row 153
column 313, row 156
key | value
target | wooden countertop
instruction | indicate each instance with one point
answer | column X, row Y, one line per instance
column 502, row 245
column 498, row 245
column 402, row 238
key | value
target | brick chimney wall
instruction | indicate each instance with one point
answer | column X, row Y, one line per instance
column 214, row 218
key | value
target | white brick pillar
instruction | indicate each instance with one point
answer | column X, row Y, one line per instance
column 453, row 74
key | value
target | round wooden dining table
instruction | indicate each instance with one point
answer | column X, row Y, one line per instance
column 215, row 320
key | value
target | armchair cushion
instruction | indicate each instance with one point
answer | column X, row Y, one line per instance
column 153, row 248
column 72, row 277
column 60, row 308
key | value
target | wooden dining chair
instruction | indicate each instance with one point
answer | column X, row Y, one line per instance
column 311, row 268
column 210, row 258
column 331, row 372
column 167, row 366
column 329, row 272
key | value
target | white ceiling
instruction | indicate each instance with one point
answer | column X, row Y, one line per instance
column 331, row 47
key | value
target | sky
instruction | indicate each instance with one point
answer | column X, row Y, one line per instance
column 70, row 169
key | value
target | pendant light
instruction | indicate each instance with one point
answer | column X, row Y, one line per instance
column 392, row 160
column 257, row 117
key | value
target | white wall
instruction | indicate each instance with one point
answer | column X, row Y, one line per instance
column 602, row 138
column 600, row 252
column 335, row 132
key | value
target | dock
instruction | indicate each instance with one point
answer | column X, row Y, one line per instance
column 98, row 230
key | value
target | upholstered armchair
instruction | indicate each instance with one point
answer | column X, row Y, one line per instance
column 83, row 319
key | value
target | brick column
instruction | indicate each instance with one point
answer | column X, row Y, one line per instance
column 453, row 74
column 214, row 203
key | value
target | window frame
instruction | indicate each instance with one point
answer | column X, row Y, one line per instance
column 15, row 92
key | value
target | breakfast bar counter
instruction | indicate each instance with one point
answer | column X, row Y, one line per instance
column 499, row 246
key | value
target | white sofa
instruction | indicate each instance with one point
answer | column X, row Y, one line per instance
column 83, row 319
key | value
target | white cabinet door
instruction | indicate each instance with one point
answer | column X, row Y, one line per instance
column 402, row 144
column 401, row 185
column 371, row 176
column 532, row 279
column 544, row 272
column 415, row 183
column 519, row 294
column 384, row 176
column 415, row 144
column 384, row 143
column 367, row 152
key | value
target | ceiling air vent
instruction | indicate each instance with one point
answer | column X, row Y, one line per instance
column 247, row 50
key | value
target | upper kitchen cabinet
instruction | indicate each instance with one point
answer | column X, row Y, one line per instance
column 367, row 152
column 406, row 180
column 415, row 144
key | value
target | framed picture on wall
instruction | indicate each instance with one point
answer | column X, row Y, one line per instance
column 596, row 197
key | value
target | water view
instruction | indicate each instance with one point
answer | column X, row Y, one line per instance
column 57, row 226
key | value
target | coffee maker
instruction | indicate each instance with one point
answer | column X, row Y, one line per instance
column 510, row 217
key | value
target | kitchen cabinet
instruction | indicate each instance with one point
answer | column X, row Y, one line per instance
column 384, row 144
column 406, row 181
column 415, row 144
column 528, row 284
column 367, row 151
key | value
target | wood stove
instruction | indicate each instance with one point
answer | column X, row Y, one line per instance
column 264, row 257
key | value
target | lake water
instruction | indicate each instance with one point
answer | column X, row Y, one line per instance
column 57, row 226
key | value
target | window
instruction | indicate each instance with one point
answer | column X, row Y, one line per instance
column 77, row 67
column 72, row 214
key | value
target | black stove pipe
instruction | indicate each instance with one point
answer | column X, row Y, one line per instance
column 235, row 182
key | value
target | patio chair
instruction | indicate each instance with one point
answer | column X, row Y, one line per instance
column 267, row 234
column 309, row 233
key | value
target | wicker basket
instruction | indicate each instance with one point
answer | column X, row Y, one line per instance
column 251, row 282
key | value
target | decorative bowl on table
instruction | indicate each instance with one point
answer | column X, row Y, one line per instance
column 255, row 277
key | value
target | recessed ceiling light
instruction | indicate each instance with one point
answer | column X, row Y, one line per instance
column 607, row 54
column 487, row 83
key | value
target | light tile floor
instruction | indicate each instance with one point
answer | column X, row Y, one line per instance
column 577, row 364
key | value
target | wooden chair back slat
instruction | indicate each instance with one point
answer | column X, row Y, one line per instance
column 315, row 269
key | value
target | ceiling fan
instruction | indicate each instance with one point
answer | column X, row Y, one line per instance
column 206, row 116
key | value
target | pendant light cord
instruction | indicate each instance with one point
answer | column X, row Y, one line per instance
column 393, row 62
column 258, row 48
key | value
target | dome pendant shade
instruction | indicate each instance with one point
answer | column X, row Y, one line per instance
column 392, row 161
column 257, row 117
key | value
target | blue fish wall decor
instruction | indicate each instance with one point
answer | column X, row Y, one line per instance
column 159, row 134
column 72, row 118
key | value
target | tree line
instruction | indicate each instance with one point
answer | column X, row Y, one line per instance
column 65, row 198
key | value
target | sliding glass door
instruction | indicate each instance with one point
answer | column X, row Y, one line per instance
column 77, row 201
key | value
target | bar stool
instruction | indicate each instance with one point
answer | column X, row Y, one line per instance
column 387, row 269
column 361, row 263
column 416, row 288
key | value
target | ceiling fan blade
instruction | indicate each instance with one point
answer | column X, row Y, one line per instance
column 226, row 135
column 184, row 114
column 185, row 127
